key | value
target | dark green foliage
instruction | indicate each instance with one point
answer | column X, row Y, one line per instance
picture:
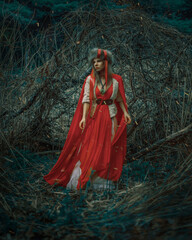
column 175, row 13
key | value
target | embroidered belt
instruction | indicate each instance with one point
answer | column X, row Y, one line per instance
column 106, row 102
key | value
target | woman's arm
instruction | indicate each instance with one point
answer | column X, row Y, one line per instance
column 85, row 111
column 86, row 103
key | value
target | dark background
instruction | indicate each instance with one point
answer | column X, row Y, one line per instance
column 41, row 14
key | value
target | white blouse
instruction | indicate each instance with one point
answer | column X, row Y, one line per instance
column 115, row 95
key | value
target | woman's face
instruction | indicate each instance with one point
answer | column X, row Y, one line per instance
column 98, row 64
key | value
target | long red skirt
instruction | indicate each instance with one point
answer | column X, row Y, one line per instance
column 94, row 153
column 95, row 149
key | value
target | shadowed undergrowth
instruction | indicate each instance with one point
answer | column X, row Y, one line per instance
column 147, row 202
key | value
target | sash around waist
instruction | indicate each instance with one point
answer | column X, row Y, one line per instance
column 112, row 107
column 106, row 102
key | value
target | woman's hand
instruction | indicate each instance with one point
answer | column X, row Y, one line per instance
column 127, row 118
column 82, row 123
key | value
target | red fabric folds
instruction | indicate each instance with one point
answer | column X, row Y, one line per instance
column 92, row 146
column 106, row 66
column 99, row 53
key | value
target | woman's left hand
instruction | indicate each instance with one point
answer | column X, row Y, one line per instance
column 127, row 118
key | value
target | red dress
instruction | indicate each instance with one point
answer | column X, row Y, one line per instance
column 93, row 149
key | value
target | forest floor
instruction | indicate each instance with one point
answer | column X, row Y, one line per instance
column 147, row 203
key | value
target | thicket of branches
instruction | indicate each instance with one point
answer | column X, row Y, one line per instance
column 41, row 79
column 39, row 101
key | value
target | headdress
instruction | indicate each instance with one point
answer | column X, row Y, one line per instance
column 103, row 54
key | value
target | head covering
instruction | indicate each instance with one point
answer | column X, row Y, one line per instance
column 105, row 55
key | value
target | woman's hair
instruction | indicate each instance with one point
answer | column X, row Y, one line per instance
column 93, row 54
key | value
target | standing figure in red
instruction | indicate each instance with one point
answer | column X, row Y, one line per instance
column 95, row 147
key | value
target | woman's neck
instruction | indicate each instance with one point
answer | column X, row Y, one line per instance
column 102, row 74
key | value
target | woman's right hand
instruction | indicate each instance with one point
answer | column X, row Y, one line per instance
column 82, row 123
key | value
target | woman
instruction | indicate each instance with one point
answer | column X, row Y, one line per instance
column 95, row 147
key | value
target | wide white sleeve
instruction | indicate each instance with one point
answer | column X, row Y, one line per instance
column 86, row 91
